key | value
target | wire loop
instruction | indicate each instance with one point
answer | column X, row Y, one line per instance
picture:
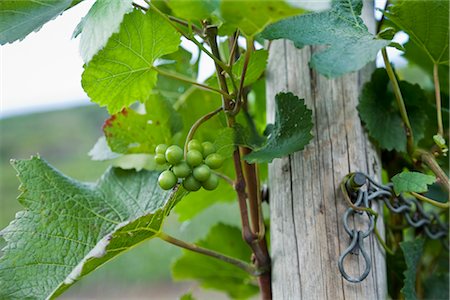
column 362, row 190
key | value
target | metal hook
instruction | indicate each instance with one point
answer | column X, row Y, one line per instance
column 357, row 243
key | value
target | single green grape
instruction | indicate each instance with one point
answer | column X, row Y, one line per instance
column 167, row 180
column 211, row 183
column 201, row 173
column 161, row 149
column 208, row 148
column 191, row 184
column 195, row 145
column 214, row 161
column 181, row 170
column 160, row 159
column 194, row 158
column 174, row 154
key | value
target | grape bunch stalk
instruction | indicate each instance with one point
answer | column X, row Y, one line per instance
column 194, row 169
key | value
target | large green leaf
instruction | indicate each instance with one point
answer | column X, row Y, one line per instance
column 412, row 250
column 227, row 240
column 412, row 182
column 102, row 20
column 437, row 287
column 19, row 18
column 290, row 133
column 426, row 23
column 133, row 132
column 122, row 72
column 70, row 228
column 252, row 16
column 378, row 110
column 350, row 45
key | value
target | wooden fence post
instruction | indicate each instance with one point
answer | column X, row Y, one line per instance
column 306, row 206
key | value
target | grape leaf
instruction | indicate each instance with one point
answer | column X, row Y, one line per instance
column 426, row 23
column 437, row 287
column 256, row 67
column 378, row 110
column 350, row 45
column 232, row 280
column 252, row 16
column 193, row 10
column 102, row 20
column 290, row 133
column 70, row 228
column 133, row 132
column 122, row 72
column 20, row 18
column 412, row 182
column 412, row 251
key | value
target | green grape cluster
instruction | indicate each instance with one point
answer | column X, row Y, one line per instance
column 194, row 171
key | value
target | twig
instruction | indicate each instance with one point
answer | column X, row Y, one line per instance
column 429, row 160
column 400, row 102
column 244, row 72
column 437, row 91
column 431, row 201
column 224, row 177
column 211, row 33
column 197, row 124
column 187, row 24
column 192, row 247
column 190, row 81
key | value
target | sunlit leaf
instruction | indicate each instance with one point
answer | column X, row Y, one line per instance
column 412, row 182
column 122, row 72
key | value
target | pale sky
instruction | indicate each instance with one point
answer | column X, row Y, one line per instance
column 44, row 70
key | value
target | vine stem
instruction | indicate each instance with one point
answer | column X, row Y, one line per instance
column 429, row 160
column 197, row 124
column 437, row 90
column 192, row 247
column 244, row 72
column 224, row 177
column 400, row 102
column 431, row 201
column 259, row 248
column 190, row 81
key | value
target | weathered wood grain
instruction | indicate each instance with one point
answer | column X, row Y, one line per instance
column 306, row 206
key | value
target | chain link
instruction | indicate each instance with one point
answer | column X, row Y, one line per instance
column 360, row 190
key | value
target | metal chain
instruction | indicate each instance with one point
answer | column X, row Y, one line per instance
column 361, row 190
